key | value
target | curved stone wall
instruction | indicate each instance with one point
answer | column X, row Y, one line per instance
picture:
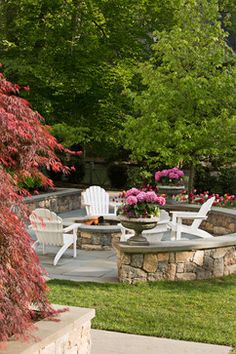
column 220, row 221
column 175, row 260
column 60, row 201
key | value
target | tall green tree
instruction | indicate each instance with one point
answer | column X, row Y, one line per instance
column 78, row 57
column 186, row 111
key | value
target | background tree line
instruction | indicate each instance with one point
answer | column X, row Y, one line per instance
column 128, row 76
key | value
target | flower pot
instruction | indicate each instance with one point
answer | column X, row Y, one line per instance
column 170, row 190
column 138, row 225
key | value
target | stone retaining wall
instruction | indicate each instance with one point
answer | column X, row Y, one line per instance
column 60, row 201
column 175, row 261
column 70, row 335
column 220, row 221
column 98, row 241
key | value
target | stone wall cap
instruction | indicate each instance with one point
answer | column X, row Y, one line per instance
column 180, row 245
column 92, row 228
column 59, row 192
column 218, row 210
column 50, row 331
column 99, row 228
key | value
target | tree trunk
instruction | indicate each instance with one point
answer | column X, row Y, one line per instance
column 190, row 181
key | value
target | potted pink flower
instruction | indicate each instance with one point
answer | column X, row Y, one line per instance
column 170, row 182
column 140, row 211
column 173, row 176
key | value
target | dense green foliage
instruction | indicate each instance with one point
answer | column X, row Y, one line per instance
column 186, row 111
column 221, row 182
column 78, row 57
column 201, row 311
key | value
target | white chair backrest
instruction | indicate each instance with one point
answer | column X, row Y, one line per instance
column 47, row 226
column 164, row 216
column 98, row 199
column 203, row 211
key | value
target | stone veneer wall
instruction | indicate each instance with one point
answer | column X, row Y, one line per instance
column 70, row 335
column 220, row 221
column 149, row 264
column 60, row 201
column 98, row 241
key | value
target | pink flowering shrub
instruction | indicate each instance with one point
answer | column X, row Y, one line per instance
column 225, row 201
column 140, row 204
column 171, row 176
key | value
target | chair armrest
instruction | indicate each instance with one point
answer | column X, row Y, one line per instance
column 87, row 204
column 161, row 222
column 183, row 214
column 191, row 217
column 71, row 227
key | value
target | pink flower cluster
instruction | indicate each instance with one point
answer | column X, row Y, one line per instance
column 135, row 196
column 172, row 174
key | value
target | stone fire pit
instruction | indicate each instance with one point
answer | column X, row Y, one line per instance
column 96, row 237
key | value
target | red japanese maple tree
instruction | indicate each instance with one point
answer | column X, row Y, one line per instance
column 25, row 146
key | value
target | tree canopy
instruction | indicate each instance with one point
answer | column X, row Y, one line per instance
column 78, row 57
column 186, row 111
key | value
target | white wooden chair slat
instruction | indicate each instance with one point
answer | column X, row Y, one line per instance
column 96, row 201
column 48, row 228
column 177, row 227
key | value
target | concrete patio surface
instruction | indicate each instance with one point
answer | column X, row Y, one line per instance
column 92, row 266
column 104, row 342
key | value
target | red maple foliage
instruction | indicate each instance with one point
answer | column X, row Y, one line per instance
column 25, row 145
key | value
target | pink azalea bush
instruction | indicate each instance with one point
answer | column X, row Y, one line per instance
column 225, row 201
column 140, row 204
column 171, row 176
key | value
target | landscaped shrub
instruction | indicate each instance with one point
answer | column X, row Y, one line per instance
column 30, row 183
column 25, row 146
column 227, row 180
column 221, row 181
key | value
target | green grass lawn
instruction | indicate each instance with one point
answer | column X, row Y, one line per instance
column 201, row 311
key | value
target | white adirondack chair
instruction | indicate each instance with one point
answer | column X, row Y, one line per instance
column 96, row 202
column 177, row 227
column 48, row 228
column 161, row 227
column 125, row 233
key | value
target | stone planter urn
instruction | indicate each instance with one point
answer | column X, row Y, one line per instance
column 170, row 190
column 138, row 225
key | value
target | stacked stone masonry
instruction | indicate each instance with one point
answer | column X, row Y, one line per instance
column 59, row 202
column 188, row 265
column 98, row 241
column 70, row 335
column 78, row 341
column 220, row 221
